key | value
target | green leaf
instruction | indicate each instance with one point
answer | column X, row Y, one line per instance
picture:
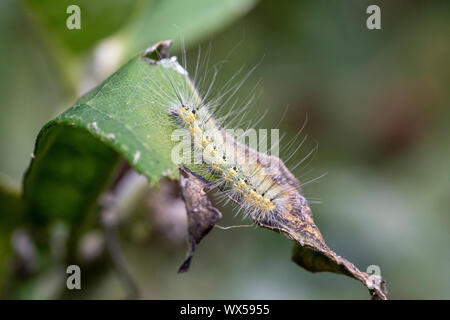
column 76, row 152
column 191, row 20
column 38, row 74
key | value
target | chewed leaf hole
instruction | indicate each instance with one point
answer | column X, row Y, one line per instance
column 157, row 52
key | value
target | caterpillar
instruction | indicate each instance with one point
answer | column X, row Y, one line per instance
column 259, row 183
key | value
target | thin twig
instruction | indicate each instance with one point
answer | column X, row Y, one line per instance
column 109, row 219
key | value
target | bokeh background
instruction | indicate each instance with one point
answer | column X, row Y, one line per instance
column 377, row 104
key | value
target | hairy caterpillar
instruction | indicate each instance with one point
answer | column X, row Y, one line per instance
column 260, row 183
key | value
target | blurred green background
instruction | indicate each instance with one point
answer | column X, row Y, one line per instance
column 377, row 103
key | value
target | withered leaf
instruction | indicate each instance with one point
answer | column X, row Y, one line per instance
column 310, row 250
column 201, row 214
column 311, row 253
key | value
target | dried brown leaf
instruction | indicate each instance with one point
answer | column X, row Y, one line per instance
column 310, row 250
column 201, row 214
